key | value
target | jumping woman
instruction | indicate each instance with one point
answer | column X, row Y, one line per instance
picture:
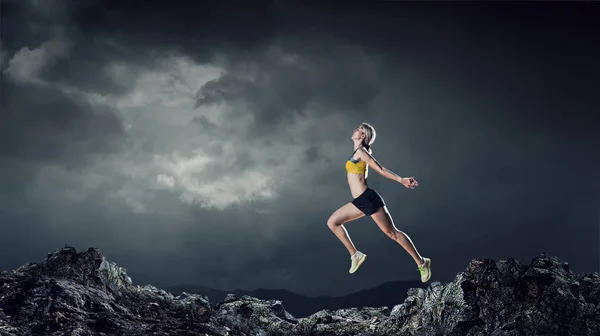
column 367, row 202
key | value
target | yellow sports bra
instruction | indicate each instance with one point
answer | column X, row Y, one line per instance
column 354, row 166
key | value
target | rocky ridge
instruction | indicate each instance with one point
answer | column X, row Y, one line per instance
column 73, row 293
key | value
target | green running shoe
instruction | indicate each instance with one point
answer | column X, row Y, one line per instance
column 425, row 270
column 357, row 259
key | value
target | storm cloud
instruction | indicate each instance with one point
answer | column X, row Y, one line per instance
column 205, row 143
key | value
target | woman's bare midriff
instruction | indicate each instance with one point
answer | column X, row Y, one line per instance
column 357, row 183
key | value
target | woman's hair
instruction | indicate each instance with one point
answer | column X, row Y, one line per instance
column 370, row 135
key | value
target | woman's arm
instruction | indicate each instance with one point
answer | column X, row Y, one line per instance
column 370, row 160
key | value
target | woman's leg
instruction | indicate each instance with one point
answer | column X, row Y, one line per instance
column 385, row 222
column 346, row 213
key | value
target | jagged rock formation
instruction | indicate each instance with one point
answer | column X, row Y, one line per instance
column 385, row 294
column 83, row 294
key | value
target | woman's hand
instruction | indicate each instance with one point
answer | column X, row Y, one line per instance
column 409, row 182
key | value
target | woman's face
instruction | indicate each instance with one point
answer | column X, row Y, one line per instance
column 358, row 132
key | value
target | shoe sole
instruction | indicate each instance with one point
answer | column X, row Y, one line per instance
column 428, row 266
column 360, row 261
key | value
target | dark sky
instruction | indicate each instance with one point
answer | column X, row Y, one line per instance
column 206, row 144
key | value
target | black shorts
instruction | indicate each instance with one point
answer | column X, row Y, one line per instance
column 369, row 202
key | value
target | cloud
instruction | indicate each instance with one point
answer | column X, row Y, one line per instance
column 216, row 177
column 228, row 152
column 165, row 180
column 281, row 81
column 54, row 126
column 232, row 132
column 26, row 65
column 129, row 128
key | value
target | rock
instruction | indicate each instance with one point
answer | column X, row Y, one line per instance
column 82, row 293
column 74, row 293
column 352, row 321
column 500, row 298
column 251, row 316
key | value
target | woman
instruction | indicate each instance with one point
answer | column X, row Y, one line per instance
column 367, row 202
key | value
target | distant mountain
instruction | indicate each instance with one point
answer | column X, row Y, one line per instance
column 385, row 295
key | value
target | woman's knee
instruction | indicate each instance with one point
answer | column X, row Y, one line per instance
column 332, row 223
